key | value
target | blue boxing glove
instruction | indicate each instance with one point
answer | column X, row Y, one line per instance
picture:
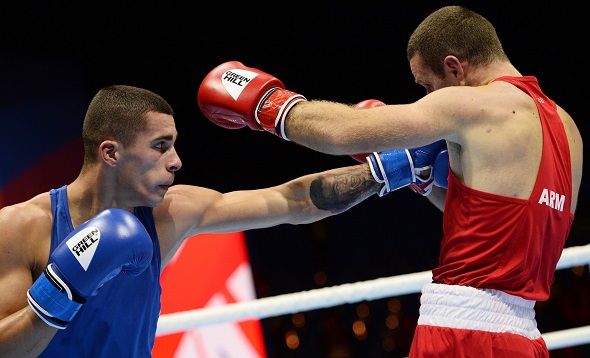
column 394, row 168
column 401, row 167
column 425, row 159
column 440, row 169
column 112, row 242
column 438, row 175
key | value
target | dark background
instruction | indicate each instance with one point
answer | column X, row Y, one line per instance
column 328, row 50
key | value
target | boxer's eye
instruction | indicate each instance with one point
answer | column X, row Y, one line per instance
column 162, row 146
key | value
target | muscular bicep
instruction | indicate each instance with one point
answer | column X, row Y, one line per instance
column 191, row 210
column 15, row 280
column 188, row 211
column 443, row 114
column 24, row 249
column 340, row 129
column 346, row 130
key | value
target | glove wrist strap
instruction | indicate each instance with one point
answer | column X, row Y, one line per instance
column 273, row 108
column 393, row 168
column 52, row 303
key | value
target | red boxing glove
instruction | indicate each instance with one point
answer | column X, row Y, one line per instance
column 368, row 103
column 234, row 96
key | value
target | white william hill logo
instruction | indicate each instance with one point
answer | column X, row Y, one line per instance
column 552, row 199
column 83, row 245
column 235, row 80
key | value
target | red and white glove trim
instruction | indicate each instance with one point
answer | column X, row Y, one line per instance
column 423, row 188
column 273, row 108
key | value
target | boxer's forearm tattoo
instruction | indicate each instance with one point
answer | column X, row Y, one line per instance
column 337, row 192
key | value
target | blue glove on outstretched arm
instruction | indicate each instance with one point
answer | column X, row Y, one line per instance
column 112, row 242
column 398, row 168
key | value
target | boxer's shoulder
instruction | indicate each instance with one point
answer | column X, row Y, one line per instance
column 26, row 233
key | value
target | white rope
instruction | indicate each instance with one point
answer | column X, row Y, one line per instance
column 574, row 256
column 350, row 293
column 295, row 302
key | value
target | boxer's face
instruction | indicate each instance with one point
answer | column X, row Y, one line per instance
column 424, row 76
column 147, row 167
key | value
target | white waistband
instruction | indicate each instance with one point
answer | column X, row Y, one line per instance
column 488, row 310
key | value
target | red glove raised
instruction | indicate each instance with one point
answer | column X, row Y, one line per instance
column 234, row 96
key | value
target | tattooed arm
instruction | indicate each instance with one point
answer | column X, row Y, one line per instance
column 340, row 189
column 303, row 200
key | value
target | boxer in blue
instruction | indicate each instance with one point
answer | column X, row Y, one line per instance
column 80, row 265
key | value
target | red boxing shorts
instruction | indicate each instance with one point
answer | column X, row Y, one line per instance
column 459, row 321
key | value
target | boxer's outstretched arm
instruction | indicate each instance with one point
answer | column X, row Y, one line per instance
column 234, row 96
column 303, row 200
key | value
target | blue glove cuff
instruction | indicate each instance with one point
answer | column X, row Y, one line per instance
column 393, row 167
column 52, row 303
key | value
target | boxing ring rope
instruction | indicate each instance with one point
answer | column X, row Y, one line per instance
column 351, row 293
